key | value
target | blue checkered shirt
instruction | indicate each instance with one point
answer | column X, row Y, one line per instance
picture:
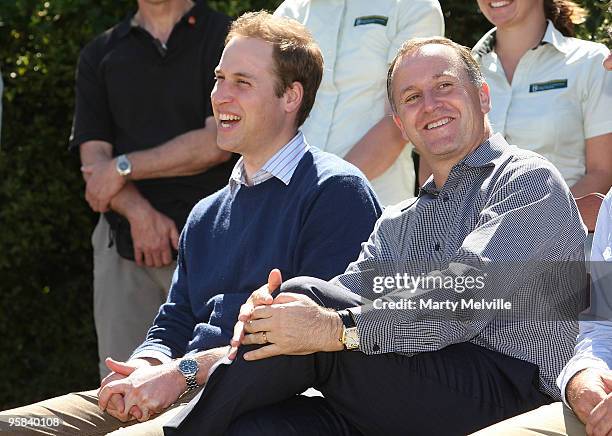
column 505, row 211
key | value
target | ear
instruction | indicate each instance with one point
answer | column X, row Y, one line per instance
column 484, row 94
column 293, row 97
column 398, row 123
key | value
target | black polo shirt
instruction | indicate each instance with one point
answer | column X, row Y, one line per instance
column 136, row 94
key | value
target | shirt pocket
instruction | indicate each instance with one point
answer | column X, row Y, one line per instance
column 363, row 51
column 548, row 122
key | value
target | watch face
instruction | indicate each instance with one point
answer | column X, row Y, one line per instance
column 351, row 338
column 188, row 366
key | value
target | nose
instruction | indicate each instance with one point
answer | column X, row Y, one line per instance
column 221, row 93
column 430, row 101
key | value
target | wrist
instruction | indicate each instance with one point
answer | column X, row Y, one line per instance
column 335, row 328
column 139, row 210
column 123, row 167
column 571, row 388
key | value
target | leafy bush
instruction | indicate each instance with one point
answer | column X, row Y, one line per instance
column 46, row 325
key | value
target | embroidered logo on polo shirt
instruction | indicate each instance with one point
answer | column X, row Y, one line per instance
column 371, row 19
column 547, row 86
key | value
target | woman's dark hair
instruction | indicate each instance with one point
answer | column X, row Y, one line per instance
column 564, row 14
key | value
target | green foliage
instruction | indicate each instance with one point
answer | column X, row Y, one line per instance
column 46, row 327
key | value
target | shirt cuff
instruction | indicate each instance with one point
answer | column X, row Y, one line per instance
column 154, row 354
column 573, row 367
column 376, row 334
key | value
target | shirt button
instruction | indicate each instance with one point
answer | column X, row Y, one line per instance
column 437, row 246
column 376, row 347
column 445, row 198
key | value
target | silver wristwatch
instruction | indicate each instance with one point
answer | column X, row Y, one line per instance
column 189, row 368
column 123, row 166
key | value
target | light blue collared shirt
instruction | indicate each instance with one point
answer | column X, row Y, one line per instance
column 594, row 343
column 282, row 165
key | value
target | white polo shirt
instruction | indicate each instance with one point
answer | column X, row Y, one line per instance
column 359, row 39
column 560, row 95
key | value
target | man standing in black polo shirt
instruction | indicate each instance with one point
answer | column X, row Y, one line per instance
column 148, row 154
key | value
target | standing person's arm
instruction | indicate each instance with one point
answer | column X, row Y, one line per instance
column 187, row 154
column 598, row 165
column 154, row 234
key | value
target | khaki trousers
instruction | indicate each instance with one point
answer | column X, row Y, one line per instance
column 551, row 420
column 126, row 298
column 79, row 414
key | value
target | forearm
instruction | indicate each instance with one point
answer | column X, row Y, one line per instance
column 129, row 202
column 206, row 359
column 595, row 181
column 187, row 154
column 92, row 152
column 377, row 149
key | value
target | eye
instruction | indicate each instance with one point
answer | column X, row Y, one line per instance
column 243, row 82
column 411, row 98
column 445, row 85
column 217, row 78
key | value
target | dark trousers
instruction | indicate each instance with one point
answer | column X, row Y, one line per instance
column 456, row 390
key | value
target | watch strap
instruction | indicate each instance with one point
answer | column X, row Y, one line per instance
column 347, row 318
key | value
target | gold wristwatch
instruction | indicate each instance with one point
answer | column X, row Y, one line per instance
column 350, row 335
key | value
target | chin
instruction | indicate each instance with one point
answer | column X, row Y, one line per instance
column 227, row 145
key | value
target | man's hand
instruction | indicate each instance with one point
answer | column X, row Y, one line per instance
column 119, row 371
column 589, row 393
column 599, row 422
column 154, row 236
column 148, row 390
column 103, row 183
column 261, row 296
column 586, row 390
column 293, row 325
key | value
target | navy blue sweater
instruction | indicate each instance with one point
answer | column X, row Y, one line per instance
column 313, row 226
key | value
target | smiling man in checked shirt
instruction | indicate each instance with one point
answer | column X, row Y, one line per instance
column 491, row 213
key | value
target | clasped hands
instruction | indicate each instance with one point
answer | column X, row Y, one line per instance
column 138, row 389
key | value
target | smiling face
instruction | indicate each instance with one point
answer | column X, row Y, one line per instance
column 503, row 13
column 437, row 107
column 251, row 119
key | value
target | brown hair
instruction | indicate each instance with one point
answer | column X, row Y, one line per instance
column 296, row 55
column 471, row 66
column 564, row 14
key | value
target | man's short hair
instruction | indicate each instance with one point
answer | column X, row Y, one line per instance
column 471, row 66
column 297, row 57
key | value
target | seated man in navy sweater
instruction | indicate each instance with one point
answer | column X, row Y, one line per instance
column 288, row 205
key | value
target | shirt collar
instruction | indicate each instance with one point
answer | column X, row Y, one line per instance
column 486, row 153
column 483, row 156
column 125, row 26
column 557, row 39
column 281, row 165
column 129, row 23
column 486, row 44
